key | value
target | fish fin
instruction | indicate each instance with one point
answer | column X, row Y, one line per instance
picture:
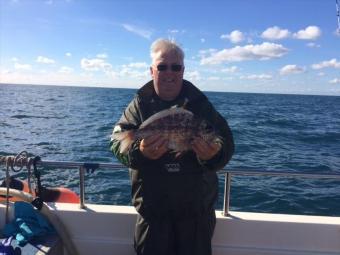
column 186, row 101
column 125, row 138
column 179, row 155
column 183, row 106
column 218, row 140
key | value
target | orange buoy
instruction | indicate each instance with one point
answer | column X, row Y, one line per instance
column 60, row 194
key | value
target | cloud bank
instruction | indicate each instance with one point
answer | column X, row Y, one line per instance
column 262, row 51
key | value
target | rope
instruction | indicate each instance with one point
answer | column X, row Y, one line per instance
column 29, row 173
column 52, row 217
column 8, row 182
column 16, row 164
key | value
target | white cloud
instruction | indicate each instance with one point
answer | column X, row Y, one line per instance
column 235, row 36
column 138, row 70
column 275, row 33
column 128, row 72
column 113, row 74
column 310, row 33
column 95, row 64
column 45, row 60
column 262, row 51
column 228, row 78
column 335, row 81
column 68, row 54
column 329, row 63
column 231, row 69
column 337, row 32
column 205, row 53
column 194, row 76
column 138, row 31
column 213, row 78
column 24, row 67
column 4, row 71
column 102, row 55
column 14, row 59
column 65, row 69
column 291, row 69
column 313, row 45
column 256, row 77
column 138, row 65
column 176, row 31
column 48, row 78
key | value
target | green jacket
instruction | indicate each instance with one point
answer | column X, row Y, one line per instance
column 157, row 190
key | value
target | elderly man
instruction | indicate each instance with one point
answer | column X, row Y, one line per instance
column 175, row 208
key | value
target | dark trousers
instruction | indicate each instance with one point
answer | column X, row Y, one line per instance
column 169, row 236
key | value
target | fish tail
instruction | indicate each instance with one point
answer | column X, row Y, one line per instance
column 125, row 138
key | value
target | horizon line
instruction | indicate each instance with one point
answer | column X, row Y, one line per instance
column 132, row 88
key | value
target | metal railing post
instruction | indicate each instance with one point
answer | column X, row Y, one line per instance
column 227, row 183
column 82, row 187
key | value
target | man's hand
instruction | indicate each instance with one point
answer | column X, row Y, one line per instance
column 153, row 147
column 205, row 150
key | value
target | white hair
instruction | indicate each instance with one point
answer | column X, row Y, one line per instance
column 164, row 46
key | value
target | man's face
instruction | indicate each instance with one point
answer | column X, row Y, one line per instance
column 167, row 73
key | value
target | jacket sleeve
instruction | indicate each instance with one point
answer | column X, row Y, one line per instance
column 130, row 119
column 223, row 130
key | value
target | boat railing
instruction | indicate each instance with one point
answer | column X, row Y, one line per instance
column 228, row 173
column 84, row 167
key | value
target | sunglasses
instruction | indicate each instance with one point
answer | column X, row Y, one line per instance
column 173, row 67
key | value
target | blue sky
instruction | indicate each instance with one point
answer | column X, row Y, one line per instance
column 264, row 46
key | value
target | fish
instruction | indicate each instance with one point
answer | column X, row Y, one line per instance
column 178, row 125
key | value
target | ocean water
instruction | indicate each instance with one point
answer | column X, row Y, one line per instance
column 271, row 132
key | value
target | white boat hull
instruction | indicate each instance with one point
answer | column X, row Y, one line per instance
column 105, row 229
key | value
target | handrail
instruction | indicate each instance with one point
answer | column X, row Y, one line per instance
column 227, row 183
column 329, row 175
column 74, row 164
column 288, row 174
column 82, row 166
column 85, row 166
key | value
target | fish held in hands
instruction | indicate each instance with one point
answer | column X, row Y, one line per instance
column 177, row 125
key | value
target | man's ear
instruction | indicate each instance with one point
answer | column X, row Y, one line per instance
column 151, row 71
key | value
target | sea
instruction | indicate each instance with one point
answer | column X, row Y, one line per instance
column 272, row 132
